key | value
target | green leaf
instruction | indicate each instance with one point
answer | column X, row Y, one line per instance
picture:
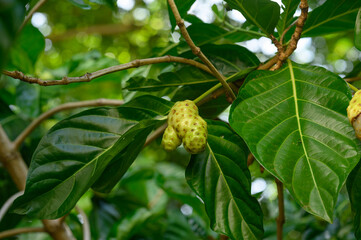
column 262, row 13
column 358, row 30
column 74, row 154
column 221, row 178
column 187, row 75
column 81, row 4
column 294, row 122
column 28, row 99
column 286, row 18
column 332, row 16
column 203, row 33
column 12, row 13
column 183, row 7
column 354, row 193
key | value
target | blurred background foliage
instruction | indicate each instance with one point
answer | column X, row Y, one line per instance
column 153, row 201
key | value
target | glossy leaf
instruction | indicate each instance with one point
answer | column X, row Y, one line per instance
column 358, row 30
column 221, row 178
column 12, row 13
column 332, row 16
column 185, row 76
column 294, row 122
column 286, row 18
column 229, row 59
column 354, row 193
column 183, row 6
column 203, row 33
column 75, row 153
column 262, row 13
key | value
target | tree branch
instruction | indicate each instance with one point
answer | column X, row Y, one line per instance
column 90, row 76
column 90, row 103
column 13, row 232
column 197, row 51
column 281, row 210
column 85, row 223
column 283, row 55
column 352, row 79
column 8, row 204
column 31, row 13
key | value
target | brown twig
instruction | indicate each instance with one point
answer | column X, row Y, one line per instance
column 5, row 207
column 90, row 76
column 352, row 79
column 281, row 210
column 14, row 232
column 286, row 30
column 197, row 51
column 283, row 55
column 90, row 103
column 31, row 13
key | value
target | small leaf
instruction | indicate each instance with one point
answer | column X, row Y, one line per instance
column 294, row 122
column 262, row 13
column 332, row 16
column 286, row 17
column 354, row 193
column 183, row 6
column 74, row 154
column 221, row 178
column 358, row 30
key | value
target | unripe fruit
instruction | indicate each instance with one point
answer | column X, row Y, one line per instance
column 170, row 140
column 353, row 113
column 184, row 120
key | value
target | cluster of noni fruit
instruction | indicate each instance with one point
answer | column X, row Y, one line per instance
column 185, row 125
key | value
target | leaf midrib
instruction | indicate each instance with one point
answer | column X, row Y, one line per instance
column 228, row 188
column 327, row 20
column 300, row 131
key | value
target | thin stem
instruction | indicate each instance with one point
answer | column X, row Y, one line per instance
column 85, row 223
column 8, row 204
column 281, row 210
column 66, row 106
column 31, row 13
column 286, row 30
column 291, row 47
column 13, row 232
column 352, row 87
column 197, row 51
column 91, row 76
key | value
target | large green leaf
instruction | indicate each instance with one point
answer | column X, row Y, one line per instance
column 203, row 33
column 183, row 6
column 286, row 17
column 354, row 192
column 221, row 178
column 332, row 16
column 294, row 122
column 185, row 76
column 358, row 30
column 12, row 13
column 262, row 13
column 74, row 154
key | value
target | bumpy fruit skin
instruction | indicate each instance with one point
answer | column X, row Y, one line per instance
column 190, row 128
column 354, row 113
column 170, row 140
